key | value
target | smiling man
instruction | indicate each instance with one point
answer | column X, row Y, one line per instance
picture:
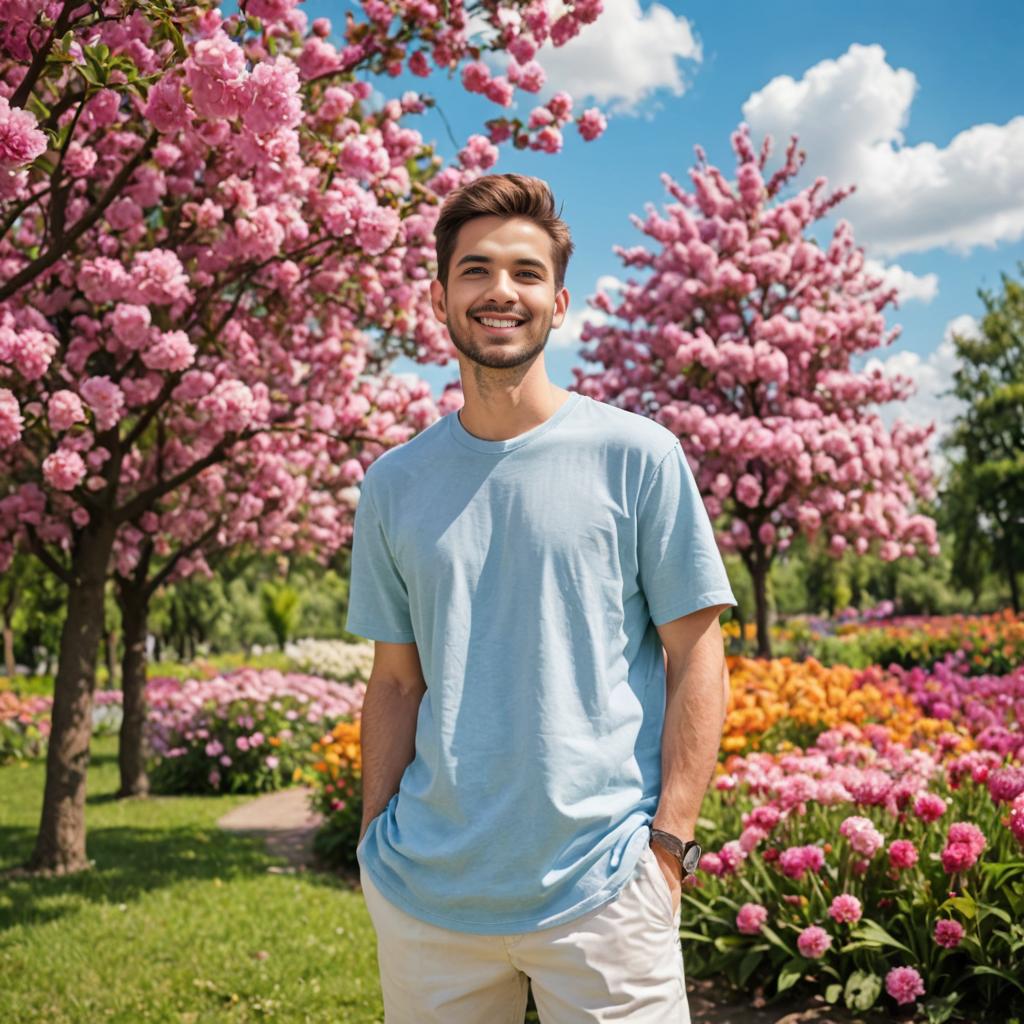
column 545, row 706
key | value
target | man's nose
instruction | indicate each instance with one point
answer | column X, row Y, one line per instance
column 503, row 287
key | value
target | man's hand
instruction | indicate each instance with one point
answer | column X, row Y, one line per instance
column 670, row 869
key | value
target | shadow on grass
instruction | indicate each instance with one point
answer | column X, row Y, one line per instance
column 128, row 863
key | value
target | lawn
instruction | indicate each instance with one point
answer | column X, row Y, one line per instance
column 177, row 922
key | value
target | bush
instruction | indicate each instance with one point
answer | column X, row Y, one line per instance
column 867, row 872
column 248, row 732
column 336, row 779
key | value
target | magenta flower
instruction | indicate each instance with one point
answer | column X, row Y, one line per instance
column 711, row 864
column 814, row 942
column 902, row 854
column 958, row 857
column 845, row 909
column 948, row 933
column 904, row 984
column 751, row 918
column 21, row 141
column 798, row 859
column 929, row 807
column 1006, row 784
column 970, row 835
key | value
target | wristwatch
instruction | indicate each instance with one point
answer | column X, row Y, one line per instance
column 687, row 853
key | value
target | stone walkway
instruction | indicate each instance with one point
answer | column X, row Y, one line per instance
column 287, row 825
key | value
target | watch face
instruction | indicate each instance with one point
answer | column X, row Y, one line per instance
column 691, row 858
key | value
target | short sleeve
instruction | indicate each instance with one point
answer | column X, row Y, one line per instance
column 378, row 601
column 681, row 568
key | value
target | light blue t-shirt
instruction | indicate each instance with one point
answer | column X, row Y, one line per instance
column 530, row 573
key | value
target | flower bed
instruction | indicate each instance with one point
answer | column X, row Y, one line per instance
column 25, row 722
column 248, row 732
column 867, row 871
column 332, row 659
column 783, row 700
column 335, row 778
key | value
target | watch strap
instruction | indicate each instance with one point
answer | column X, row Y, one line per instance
column 675, row 846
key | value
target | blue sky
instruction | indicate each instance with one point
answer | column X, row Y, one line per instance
column 894, row 97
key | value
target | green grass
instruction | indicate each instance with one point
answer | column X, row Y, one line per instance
column 177, row 922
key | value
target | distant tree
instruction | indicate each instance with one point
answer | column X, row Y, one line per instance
column 986, row 443
column 740, row 340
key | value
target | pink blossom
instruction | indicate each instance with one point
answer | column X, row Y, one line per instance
column 158, row 277
column 1006, row 784
column 274, row 100
column 592, row 124
column 170, row 350
column 242, row 743
column 902, row 854
column 796, row 860
column 845, row 909
column 813, row 942
column 64, row 470
column 751, row 918
column 165, row 106
column 548, row 140
column 64, row 410
column 969, row 834
column 929, row 807
column 863, row 837
column 904, row 984
column 948, row 933
column 475, row 76
column 105, row 399
column 214, row 748
column 11, row 421
column 377, row 229
column 711, row 864
column 499, row 90
column 272, row 762
column 21, row 141
column 130, row 323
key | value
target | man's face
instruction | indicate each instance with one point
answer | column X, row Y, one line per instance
column 501, row 301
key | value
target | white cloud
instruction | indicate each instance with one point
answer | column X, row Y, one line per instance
column 568, row 335
column 932, row 375
column 624, row 57
column 909, row 286
column 850, row 115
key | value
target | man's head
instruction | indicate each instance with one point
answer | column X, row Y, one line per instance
column 502, row 252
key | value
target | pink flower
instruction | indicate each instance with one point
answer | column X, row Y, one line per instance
column 1017, row 820
column 948, row 933
column 929, row 807
column 711, row 864
column 105, row 399
column 751, row 918
column 64, row 470
column 274, row 101
column 902, row 854
column 21, row 141
column 862, row 835
column 11, row 421
column 214, row 748
column 904, row 984
column 814, row 942
column 845, row 909
column 475, row 76
column 242, row 743
column 798, row 859
column 591, row 124
column 1006, row 784
column 158, row 277
column 548, row 140
column 958, row 857
column 731, row 855
column 170, row 350
column 165, row 106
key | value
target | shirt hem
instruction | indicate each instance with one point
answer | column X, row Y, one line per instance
column 519, row 925
column 374, row 633
column 688, row 607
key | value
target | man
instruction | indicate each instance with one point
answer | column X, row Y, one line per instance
column 541, row 579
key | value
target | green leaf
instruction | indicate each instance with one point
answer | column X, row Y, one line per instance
column 748, row 965
column 872, row 931
column 832, row 993
column 940, row 1010
column 724, row 943
column 1005, row 975
column 862, row 989
column 964, row 904
column 693, row 936
column 789, row 975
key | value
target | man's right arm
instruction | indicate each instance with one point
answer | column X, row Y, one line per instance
column 388, row 724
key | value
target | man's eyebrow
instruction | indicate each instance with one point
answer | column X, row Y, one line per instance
column 523, row 261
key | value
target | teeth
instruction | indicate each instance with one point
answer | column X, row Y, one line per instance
column 489, row 322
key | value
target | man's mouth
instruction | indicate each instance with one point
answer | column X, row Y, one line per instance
column 499, row 323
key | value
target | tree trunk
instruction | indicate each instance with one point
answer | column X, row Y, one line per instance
column 132, row 752
column 9, row 652
column 759, row 577
column 60, row 844
column 1011, row 572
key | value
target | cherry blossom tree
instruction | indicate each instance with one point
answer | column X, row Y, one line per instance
column 212, row 244
column 740, row 339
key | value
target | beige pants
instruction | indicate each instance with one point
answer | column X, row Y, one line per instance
column 620, row 962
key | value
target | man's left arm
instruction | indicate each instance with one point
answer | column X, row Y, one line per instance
column 696, row 681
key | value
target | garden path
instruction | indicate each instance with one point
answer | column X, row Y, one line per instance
column 287, row 825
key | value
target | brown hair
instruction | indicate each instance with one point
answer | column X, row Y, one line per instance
column 502, row 195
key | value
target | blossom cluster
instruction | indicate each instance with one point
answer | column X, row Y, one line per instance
column 332, row 659
column 247, row 731
column 335, row 780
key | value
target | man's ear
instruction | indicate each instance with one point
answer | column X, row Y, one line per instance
column 561, row 307
column 437, row 301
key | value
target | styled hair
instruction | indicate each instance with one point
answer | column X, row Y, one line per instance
column 502, row 195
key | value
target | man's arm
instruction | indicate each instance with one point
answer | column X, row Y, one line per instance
column 696, row 682
column 388, row 725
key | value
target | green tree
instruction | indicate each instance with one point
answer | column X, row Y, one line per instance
column 986, row 443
